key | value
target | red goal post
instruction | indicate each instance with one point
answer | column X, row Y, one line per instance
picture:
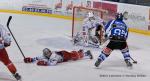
column 79, row 13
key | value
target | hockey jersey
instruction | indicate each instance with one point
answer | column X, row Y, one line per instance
column 116, row 30
column 87, row 34
column 87, row 24
column 4, row 37
column 52, row 60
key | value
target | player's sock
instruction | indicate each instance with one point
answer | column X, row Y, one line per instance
column 100, row 59
column 126, row 56
column 11, row 68
column 103, row 56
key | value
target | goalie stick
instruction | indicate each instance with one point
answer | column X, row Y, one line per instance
column 8, row 22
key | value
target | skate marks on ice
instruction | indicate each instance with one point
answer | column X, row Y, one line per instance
column 111, row 69
column 6, row 77
column 132, row 47
column 115, row 63
column 118, row 66
column 61, row 43
column 56, row 42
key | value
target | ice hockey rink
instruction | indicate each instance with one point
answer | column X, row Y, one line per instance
column 34, row 33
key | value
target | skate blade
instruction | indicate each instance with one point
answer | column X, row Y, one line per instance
column 19, row 80
column 130, row 67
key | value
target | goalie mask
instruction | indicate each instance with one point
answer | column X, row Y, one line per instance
column 91, row 16
column 47, row 52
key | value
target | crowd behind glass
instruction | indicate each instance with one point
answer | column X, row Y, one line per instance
column 137, row 2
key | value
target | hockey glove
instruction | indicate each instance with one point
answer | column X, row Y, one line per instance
column 6, row 44
column 7, row 41
column 1, row 43
column 106, row 36
column 28, row 60
column 42, row 63
column 114, row 25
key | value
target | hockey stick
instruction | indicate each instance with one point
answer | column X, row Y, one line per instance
column 8, row 22
column 135, row 62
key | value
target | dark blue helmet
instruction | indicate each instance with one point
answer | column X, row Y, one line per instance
column 119, row 16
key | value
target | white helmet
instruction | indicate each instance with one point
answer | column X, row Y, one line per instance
column 90, row 14
column 47, row 52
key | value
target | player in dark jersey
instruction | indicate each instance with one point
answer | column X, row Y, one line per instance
column 117, row 32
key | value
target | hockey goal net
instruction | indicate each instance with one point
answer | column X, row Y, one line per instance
column 80, row 13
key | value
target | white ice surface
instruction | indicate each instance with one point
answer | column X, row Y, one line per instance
column 34, row 33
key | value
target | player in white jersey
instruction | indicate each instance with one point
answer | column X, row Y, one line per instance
column 90, row 24
column 51, row 58
column 5, row 41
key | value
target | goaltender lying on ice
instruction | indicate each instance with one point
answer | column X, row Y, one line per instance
column 50, row 58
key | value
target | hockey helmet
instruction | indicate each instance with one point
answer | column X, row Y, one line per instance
column 119, row 16
column 125, row 15
column 90, row 14
column 47, row 52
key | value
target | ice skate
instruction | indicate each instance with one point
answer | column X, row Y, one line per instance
column 128, row 63
column 17, row 76
column 89, row 54
column 98, row 62
column 75, row 41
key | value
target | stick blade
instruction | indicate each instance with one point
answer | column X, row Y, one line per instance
column 135, row 62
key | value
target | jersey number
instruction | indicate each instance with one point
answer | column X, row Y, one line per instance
column 119, row 32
